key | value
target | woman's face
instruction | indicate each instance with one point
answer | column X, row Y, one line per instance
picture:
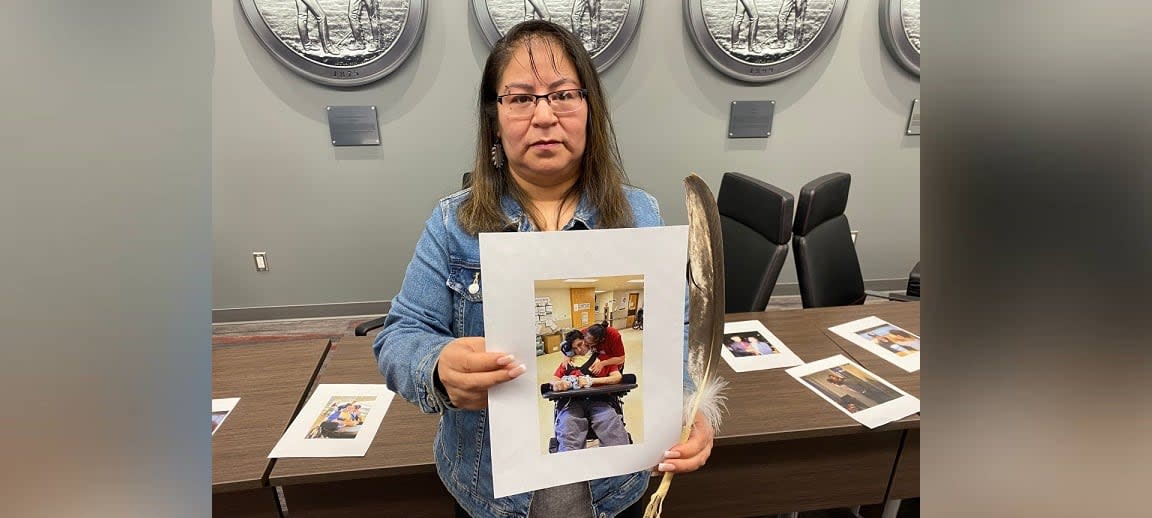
column 542, row 147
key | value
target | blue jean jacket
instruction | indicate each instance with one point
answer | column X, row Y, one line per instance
column 434, row 307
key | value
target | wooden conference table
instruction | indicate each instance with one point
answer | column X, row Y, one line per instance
column 270, row 380
column 782, row 448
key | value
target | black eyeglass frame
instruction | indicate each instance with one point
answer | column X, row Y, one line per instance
column 536, row 101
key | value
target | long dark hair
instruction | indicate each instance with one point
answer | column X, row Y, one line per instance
column 602, row 178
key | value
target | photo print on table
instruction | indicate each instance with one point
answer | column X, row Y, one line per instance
column 640, row 274
column 589, row 371
column 855, row 391
column 341, row 418
column 220, row 410
column 349, row 412
column 749, row 346
column 897, row 345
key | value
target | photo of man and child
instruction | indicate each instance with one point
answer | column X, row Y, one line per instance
column 892, row 338
column 585, row 391
column 748, row 344
column 891, row 342
column 341, row 418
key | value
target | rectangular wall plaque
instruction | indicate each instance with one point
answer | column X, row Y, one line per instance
column 914, row 119
column 750, row 119
column 353, row 126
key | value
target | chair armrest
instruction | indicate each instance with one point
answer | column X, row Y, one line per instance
column 362, row 329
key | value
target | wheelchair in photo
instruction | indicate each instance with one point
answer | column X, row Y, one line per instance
column 612, row 394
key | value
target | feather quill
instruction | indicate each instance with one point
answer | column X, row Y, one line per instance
column 706, row 318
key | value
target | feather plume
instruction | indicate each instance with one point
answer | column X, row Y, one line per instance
column 706, row 318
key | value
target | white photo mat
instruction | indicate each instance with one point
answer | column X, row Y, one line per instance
column 296, row 441
column 783, row 357
column 851, row 331
column 221, row 409
column 893, row 404
column 511, row 262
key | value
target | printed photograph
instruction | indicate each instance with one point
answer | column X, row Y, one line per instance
column 892, row 338
column 221, row 408
column 217, row 418
column 749, row 343
column 851, row 387
column 341, row 418
column 589, row 353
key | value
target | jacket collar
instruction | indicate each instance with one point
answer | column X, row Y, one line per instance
column 583, row 219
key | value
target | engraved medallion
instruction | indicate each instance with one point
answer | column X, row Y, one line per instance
column 900, row 28
column 762, row 40
column 605, row 27
column 338, row 42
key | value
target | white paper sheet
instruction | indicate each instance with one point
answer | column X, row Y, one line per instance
column 854, row 390
column 221, row 409
column 748, row 355
column 871, row 332
column 323, row 429
column 511, row 264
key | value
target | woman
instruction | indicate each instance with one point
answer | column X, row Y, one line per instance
column 546, row 160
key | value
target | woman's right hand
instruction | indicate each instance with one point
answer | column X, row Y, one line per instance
column 467, row 371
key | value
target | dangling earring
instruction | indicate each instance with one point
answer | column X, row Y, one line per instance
column 497, row 154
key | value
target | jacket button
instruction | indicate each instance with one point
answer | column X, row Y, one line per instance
column 603, row 515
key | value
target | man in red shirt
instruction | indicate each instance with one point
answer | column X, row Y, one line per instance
column 610, row 348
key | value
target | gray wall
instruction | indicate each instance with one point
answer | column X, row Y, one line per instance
column 339, row 225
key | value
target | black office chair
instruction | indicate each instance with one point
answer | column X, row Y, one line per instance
column 827, row 267
column 756, row 222
column 826, row 264
column 362, row 329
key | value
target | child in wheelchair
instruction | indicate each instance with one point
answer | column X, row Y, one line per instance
column 586, row 415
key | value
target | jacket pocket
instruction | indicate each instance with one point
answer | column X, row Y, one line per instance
column 467, row 313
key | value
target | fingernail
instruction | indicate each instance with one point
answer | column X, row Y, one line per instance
column 505, row 360
column 664, row 466
column 517, row 371
column 670, row 454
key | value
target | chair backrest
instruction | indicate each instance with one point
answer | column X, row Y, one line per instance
column 756, row 222
column 826, row 264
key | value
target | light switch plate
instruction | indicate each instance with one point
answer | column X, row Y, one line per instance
column 261, row 260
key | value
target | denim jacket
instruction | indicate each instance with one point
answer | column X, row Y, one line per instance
column 434, row 307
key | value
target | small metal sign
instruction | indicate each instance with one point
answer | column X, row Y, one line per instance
column 338, row 42
column 900, row 28
column 913, row 127
column 605, row 27
column 761, row 41
column 353, row 126
column 751, row 119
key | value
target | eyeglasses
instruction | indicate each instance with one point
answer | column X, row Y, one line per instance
column 561, row 101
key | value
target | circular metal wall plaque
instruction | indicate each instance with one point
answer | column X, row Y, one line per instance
column 605, row 26
column 338, row 42
column 900, row 28
column 762, row 40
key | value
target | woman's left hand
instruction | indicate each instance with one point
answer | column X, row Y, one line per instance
column 693, row 453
